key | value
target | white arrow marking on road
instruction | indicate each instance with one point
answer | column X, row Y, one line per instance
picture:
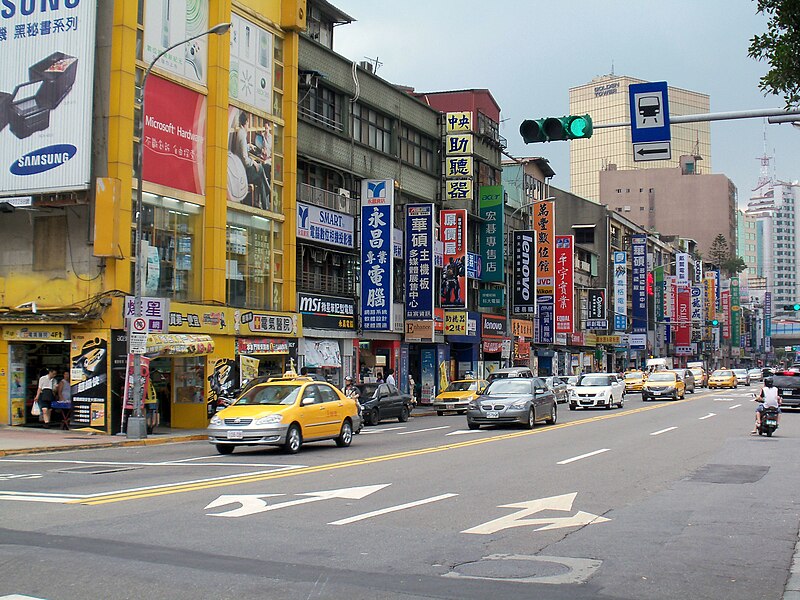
column 587, row 455
column 517, row 519
column 421, row 430
column 257, row 506
column 708, row 416
column 734, row 406
column 250, row 504
column 463, row 431
column 663, row 431
column 391, row 509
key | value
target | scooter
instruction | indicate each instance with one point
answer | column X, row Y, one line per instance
column 769, row 421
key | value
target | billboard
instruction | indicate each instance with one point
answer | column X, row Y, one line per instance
column 491, row 240
column 250, row 76
column 564, row 284
column 377, row 221
column 46, row 107
column 167, row 22
column 639, row 283
column 524, row 273
column 419, row 262
column 325, row 226
column 250, row 159
column 453, row 293
column 620, row 291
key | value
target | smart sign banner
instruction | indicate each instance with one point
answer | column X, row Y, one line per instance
column 47, row 77
column 564, row 284
column 620, row 291
column 524, row 273
column 639, row 283
column 491, row 232
column 453, row 229
column 419, row 262
column 377, row 199
column 326, row 226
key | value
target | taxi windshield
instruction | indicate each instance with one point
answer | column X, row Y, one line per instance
column 269, row 395
column 462, row 386
column 722, row 374
column 634, row 375
column 662, row 377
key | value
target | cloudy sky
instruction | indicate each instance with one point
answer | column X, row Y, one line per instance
column 529, row 53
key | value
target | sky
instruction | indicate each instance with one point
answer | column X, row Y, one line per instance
column 529, row 53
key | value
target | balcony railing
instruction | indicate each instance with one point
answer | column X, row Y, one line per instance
column 327, row 284
column 330, row 200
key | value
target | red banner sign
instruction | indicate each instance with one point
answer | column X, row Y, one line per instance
column 453, row 229
column 564, row 284
column 683, row 316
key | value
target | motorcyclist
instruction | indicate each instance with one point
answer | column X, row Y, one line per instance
column 768, row 397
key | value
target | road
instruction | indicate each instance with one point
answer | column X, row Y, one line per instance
column 656, row 500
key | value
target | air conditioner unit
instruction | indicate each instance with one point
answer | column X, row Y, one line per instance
column 343, row 192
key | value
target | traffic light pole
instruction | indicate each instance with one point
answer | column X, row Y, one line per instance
column 720, row 116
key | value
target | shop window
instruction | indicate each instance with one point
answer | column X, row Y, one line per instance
column 189, row 379
column 48, row 243
column 251, row 262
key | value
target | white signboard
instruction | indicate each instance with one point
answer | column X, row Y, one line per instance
column 326, row 226
column 682, row 267
column 250, row 79
column 48, row 70
column 167, row 22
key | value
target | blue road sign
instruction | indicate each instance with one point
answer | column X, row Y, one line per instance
column 650, row 134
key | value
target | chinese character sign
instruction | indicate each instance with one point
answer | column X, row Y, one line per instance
column 524, row 272
column 620, row 291
column 491, row 238
column 544, row 217
column 639, row 282
column 682, row 267
column 453, row 228
column 697, row 312
column 419, row 262
column 564, row 285
column 376, row 254
column 456, row 122
column 596, row 309
column 736, row 325
column 725, row 307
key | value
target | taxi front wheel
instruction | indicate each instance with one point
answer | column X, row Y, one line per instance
column 225, row 448
column 345, row 436
column 293, row 440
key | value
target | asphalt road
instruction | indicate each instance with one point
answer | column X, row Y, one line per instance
column 657, row 500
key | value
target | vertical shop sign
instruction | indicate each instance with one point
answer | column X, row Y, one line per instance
column 767, row 322
column 453, row 229
column 682, row 267
column 596, row 309
column 377, row 200
column 735, row 311
column 491, row 240
column 89, row 377
column 698, row 271
column 697, row 313
column 725, row 308
column 419, row 262
column 544, row 224
column 620, row 291
column 459, row 165
column 564, row 284
column 524, row 273
column 639, row 283
column 683, row 329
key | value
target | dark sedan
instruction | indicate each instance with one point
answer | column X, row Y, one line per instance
column 526, row 401
column 383, row 401
column 558, row 387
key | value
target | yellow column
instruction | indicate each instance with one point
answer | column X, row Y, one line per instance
column 290, row 100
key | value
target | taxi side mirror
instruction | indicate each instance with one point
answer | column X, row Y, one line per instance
column 306, row 401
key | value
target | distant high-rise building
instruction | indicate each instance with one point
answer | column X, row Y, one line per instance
column 605, row 98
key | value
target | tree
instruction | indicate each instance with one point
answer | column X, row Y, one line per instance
column 780, row 47
column 719, row 251
column 733, row 266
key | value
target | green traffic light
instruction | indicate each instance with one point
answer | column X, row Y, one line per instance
column 796, row 307
column 579, row 127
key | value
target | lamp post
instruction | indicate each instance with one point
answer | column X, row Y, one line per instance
column 136, row 427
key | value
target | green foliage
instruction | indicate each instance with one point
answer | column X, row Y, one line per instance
column 780, row 47
column 733, row 266
column 719, row 251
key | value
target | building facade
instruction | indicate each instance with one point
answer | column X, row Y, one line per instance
column 606, row 99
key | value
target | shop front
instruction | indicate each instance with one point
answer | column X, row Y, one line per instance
column 428, row 357
column 329, row 330
column 492, row 343
column 465, row 345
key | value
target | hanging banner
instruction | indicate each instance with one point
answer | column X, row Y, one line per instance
column 454, row 236
column 544, row 225
column 377, row 221
column 490, row 210
column 682, row 267
column 419, row 262
column 683, row 326
column 248, row 369
column 524, row 273
column 697, row 313
column 620, row 291
column 767, row 322
column 639, row 282
column 564, row 284
column 725, row 307
column 596, row 309
column 736, row 312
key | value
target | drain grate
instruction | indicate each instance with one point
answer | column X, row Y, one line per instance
column 730, row 473
column 96, row 470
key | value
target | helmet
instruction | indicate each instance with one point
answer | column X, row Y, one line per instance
column 348, row 378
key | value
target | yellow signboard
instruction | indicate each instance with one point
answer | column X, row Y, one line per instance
column 458, row 121
column 459, row 144
column 458, row 189
column 609, row 340
column 34, row 333
column 455, row 322
column 522, row 328
column 458, row 166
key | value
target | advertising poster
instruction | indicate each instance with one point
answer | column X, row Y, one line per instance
column 221, row 383
column 639, row 283
column 167, row 22
column 174, row 136
column 16, row 392
column 620, row 291
column 326, row 226
column 377, row 272
column 453, row 229
column 564, row 284
column 89, row 376
column 419, row 262
column 250, row 75
column 45, row 108
column 250, row 159
column 428, row 376
column 524, row 273
column 248, row 369
column 320, row 353
column 491, row 232
column 596, row 309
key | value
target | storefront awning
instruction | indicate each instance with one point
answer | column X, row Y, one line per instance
column 179, row 344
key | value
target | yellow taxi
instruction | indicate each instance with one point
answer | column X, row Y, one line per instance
column 722, row 378
column 663, row 384
column 634, row 381
column 457, row 395
column 285, row 411
column 700, row 379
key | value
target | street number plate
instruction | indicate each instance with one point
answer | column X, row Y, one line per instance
column 492, row 414
column 235, row 435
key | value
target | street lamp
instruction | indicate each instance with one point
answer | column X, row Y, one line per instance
column 136, row 427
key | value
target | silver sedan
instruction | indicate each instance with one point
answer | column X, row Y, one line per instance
column 520, row 400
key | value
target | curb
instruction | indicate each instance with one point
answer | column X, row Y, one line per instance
column 126, row 443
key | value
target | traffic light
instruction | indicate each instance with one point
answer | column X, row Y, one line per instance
column 552, row 129
column 794, row 307
column 712, row 322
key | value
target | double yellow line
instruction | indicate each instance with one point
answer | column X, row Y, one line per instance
column 228, row 481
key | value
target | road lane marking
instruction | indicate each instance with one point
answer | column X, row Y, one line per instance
column 421, row 430
column 124, row 495
column 708, row 416
column 734, row 406
column 464, row 431
column 391, row 509
column 587, row 455
column 369, row 431
column 147, row 464
column 663, row 431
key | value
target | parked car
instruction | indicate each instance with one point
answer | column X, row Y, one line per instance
column 510, row 372
column 688, row 379
column 634, row 381
column 597, row 389
column 722, row 378
column 742, row 377
column 700, row 377
column 285, row 411
column 457, row 395
column 524, row 400
column 558, row 387
column 664, row 384
column 755, row 375
column 383, row 401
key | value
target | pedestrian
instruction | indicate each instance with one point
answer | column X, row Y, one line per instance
column 390, row 377
column 64, row 390
column 151, row 406
column 379, row 377
column 45, row 394
column 412, row 389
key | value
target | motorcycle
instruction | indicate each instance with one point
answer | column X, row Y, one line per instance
column 769, row 421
